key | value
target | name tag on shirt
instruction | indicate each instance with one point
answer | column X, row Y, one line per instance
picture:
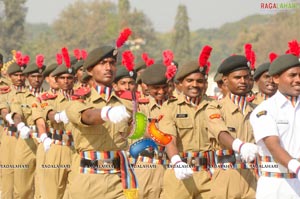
column 181, row 115
column 282, row 121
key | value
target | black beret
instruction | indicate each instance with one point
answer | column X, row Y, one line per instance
column 33, row 68
column 218, row 77
column 260, row 70
column 62, row 69
column 49, row 69
column 189, row 68
column 14, row 68
column 140, row 65
column 233, row 63
column 98, row 54
column 282, row 63
column 78, row 65
column 155, row 75
column 122, row 72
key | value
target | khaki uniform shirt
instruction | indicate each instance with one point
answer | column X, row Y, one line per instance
column 187, row 123
column 224, row 115
column 102, row 137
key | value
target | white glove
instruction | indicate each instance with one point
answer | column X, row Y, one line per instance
column 61, row 117
column 181, row 169
column 294, row 166
column 9, row 119
column 247, row 150
column 46, row 141
column 114, row 114
column 24, row 130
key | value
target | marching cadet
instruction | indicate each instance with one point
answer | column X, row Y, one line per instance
column 150, row 178
column 99, row 127
column 30, row 123
column 222, row 87
column 10, row 135
column 276, row 130
column 265, row 83
column 59, row 150
column 184, row 119
column 47, row 100
column 34, row 75
column 124, row 80
column 228, row 125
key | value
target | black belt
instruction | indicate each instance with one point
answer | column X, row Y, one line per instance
column 60, row 137
column 195, row 161
column 226, row 159
column 115, row 162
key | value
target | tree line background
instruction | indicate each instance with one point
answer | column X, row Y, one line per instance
column 90, row 24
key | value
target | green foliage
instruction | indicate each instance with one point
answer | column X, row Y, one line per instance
column 12, row 24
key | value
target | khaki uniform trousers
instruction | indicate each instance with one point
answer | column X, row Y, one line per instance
column 39, row 177
column 7, row 151
column 56, row 171
column 150, row 179
column 233, row 183
column 91, row 186
column 195, row 187
column 25, row 155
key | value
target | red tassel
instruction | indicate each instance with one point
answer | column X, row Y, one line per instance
column 59, row 59
column 39, row 60
column 168, row 57
column 294, row 48
column 128, row 60
column 247, row 51
column 147, row 60
column 123, row 37
column 66, row 57
column 25, row 60
column 19, row 58
column 204, row 55
column 84, row 54
column 253, row 60
column 171, row 71
column 77, row 54
column 272, row 56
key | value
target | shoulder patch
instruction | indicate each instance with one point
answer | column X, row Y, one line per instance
column 43, row 105
column 215, row 116
column 261, row 113
column 34, row 105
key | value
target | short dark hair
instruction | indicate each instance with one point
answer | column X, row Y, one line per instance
column 1, row 58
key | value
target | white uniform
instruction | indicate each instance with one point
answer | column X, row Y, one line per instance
column 277, row 117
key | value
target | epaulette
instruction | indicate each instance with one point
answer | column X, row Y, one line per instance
column 5, row 89
column 250, row 98
column 47, row 96
column 82, row 91
column 143, row 100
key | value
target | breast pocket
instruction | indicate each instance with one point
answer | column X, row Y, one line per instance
column 184, row 123
column 283, row 126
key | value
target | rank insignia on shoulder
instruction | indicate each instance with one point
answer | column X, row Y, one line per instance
column 34, row 105
column 261, row 113
column 43, row 105
column 215, row 116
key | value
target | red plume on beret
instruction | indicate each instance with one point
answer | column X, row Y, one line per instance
column 19, row 58
column 77, row 54
column 128, row 60
column 147, row 60
column 66, row 57
column 25, row 60
column 294, row 48
column 272, row 56
column 84, row 54
column 250, row 55
column 204, row 55
column 168, row 57
column 123, row 37
column 59, row 59
column 39, row 60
